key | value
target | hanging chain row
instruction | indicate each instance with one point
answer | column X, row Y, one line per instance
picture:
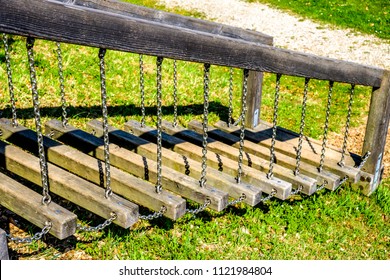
column 10, row 80
column 242, row 128
column 206, row 84
column 46, row 198
column 108, row 191
column 302, row 127
column 270, row 173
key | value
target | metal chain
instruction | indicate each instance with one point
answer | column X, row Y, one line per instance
column 326, row 127
column 271, row 195
column 230, row 118
column 174, row 93
column 108, row 191
column 10, row 80
column 322, row 186
column 103, row 225
column 186, row 166
column 302, row 127
column 37, row 236
column 206, row 82
column 155, row 215
column 62, row 87
column 200, row 209
column 346, row 134
column 248, row 156
column 220, row 163
column 242, row 128
column 270, row 173
column 238, row 200
column 146, row 168
column 46, row 199
column 159, row 128
column 345, row 178
column 364, row 159
column 142, row 88
column 297, row 191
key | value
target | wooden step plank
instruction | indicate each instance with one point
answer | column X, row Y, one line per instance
column 175, row 161
column 134, row 189
column 69, row 186
column 133, row 163
column 250, row 175
column 28, row 204
column 309, row 185
column 287, row 149
column 331, row 180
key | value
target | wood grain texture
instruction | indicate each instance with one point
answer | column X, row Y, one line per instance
column 27, row 204
column 176, row 161
column 250, row 175
column 134, row 189
column 135, row 164
column 85, row 26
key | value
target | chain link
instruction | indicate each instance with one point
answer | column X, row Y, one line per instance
column 108, row 191
column 142, row 88
column 242, row 128
column 174, row 93
column 37, row 236
column 341, row 163
column 46, row 199
column 341, row 182
column 271, row 195
column 159, row 121
column 230, row 118
column 364, row 159
column 326, row 126
column 206, row 82
column 238, row 200
column 10, row 80
column 270, row 173
column 155, row 215
column 100, row 227
column 200, row 209
column 302, row 127
column 62, row 87
column 322, row 186
column 186, row 166
column 146, row 168
column 296, row 191
column 220, row 163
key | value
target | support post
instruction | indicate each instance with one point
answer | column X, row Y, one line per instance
column 3, row 246
column 376, row 132
column 255, row 83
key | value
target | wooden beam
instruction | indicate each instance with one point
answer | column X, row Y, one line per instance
column 135, row 164
column 377, row 130
column 331, row 180
column 250, row 175
column 217, row 29
column 69, row 186
column 68, row 23
column 134, row 189
column 309, row 185
column 173, row 160
column 289, row 150
column 255, row 84
column 28, row 204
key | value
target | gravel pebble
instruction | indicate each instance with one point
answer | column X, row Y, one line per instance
column 293, row 32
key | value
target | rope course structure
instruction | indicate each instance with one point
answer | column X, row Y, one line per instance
column 113, row 172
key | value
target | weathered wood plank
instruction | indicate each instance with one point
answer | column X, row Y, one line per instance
column 250, row 175
column 135, row 164
column 173, row 160
column 309, row 185
column 288, row 149
column 3, row 246
column 217, row 29
column 134, row 189
column 331, row 180
column 28, row 204
column 85, row 26
column 376, row 130
column 255, row 85
column 69, row 186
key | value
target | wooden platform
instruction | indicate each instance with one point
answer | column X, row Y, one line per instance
column 132, row 188
column 250, row 175
column 180, row 163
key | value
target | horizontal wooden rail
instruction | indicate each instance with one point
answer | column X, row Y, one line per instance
column 70, row 23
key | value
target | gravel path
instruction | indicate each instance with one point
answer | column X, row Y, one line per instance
column 292, row 32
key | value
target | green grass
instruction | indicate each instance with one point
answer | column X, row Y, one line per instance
column 328, row 225
column 368, row 16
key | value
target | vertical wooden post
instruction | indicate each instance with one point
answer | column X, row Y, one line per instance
column 376, row 130
column 255, row 83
